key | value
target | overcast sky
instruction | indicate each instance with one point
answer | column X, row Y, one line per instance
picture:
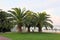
column 52, row 7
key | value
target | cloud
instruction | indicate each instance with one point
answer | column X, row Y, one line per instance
column 53, row 0
column 7, row 4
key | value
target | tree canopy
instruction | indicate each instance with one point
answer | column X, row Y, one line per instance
column 27, row 18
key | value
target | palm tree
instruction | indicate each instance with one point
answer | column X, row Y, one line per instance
column 34, row 20
column 43, row 20
column 28, row 20
column 18, row 16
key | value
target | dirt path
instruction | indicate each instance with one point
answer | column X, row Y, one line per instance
column 4, row 38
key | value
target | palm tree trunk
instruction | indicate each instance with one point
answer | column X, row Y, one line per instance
column 19, row 28
column 28, row 29
column 40, row 29
column 46, row 28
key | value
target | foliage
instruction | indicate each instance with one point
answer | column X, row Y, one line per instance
column 21, row 17
column 5, row 23
column 43, row 20
column 18, row 16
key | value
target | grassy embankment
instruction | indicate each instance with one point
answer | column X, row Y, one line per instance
column 32, row 36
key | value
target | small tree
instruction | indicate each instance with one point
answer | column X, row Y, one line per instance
column 18, row 16
column 5, row 24
column 43, row 20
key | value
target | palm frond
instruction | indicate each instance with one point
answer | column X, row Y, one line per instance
column 47, row 24
column 49, row 20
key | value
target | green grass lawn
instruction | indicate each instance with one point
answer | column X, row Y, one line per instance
column 32, row 36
